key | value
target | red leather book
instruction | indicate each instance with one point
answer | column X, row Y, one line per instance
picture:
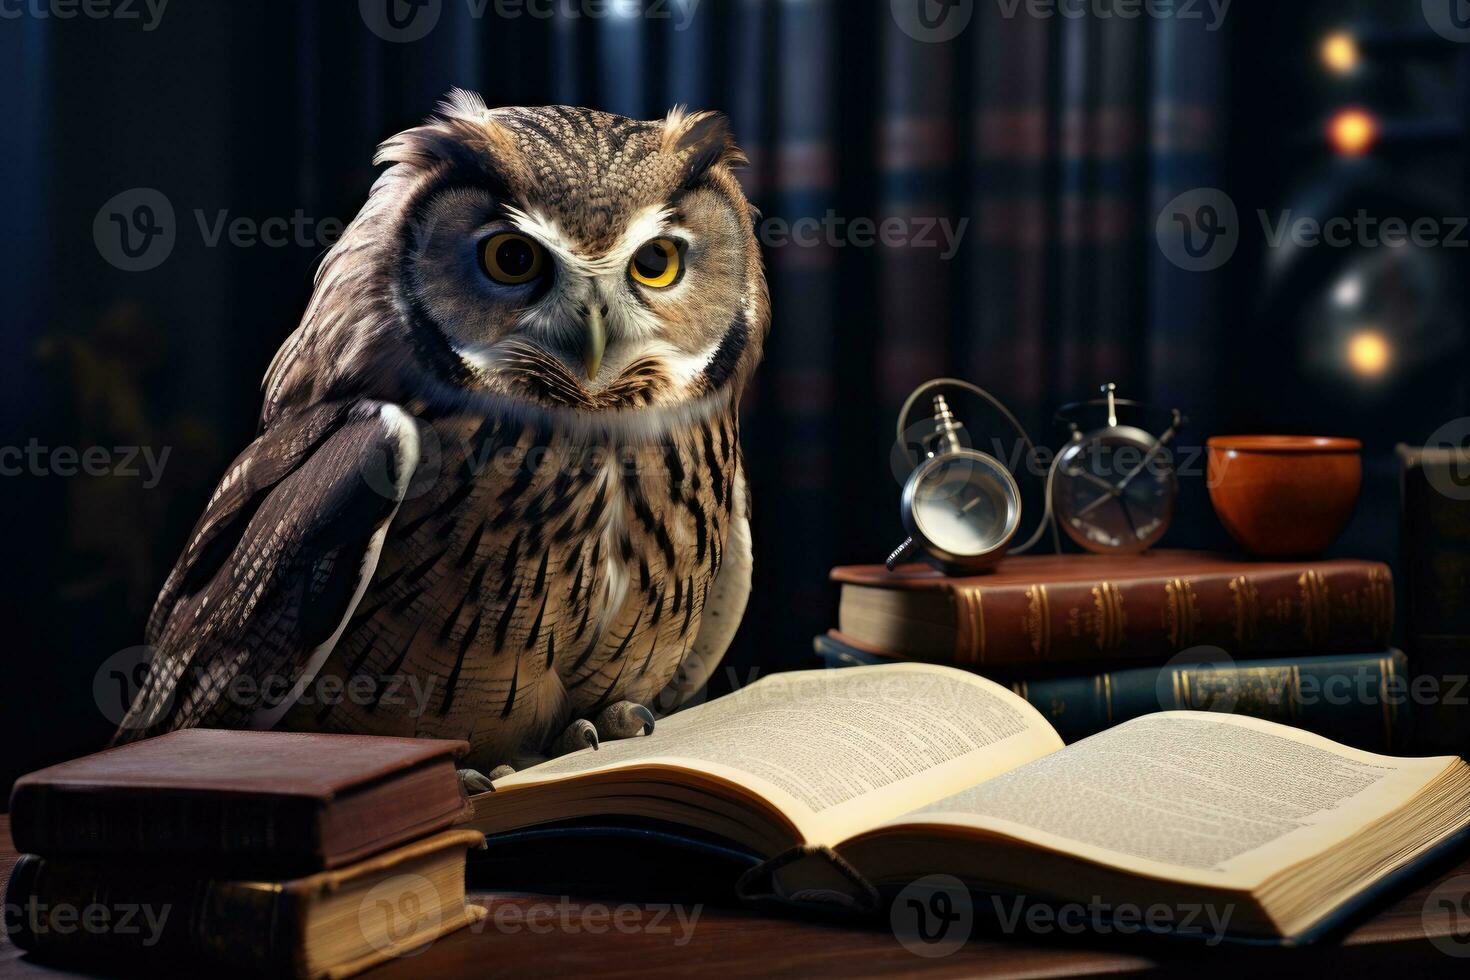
column 268, row 802
column 1043, row 610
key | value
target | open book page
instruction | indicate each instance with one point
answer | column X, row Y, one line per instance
column 837, row 751
column 1213, row 799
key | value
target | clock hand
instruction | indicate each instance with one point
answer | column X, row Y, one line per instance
column 1140, row 467
column 1128, row 515
column 1163, row 440
column 1091, row 478
column 1110, row 495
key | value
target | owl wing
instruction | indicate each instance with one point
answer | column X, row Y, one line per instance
column 274, row 569
column 724, row 608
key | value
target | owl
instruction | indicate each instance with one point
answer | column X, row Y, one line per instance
column 497, row 492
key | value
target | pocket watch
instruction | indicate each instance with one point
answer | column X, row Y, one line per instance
column 1113, row 490
column 960, row 507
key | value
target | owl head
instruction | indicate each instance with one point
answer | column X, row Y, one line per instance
column 553, row 258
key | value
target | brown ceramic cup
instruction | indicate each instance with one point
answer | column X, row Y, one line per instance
column 1284, row 496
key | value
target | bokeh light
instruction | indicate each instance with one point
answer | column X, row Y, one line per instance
column 1353, row 132
column 1369, row 354
column 1348, row 292
column 1340, row 53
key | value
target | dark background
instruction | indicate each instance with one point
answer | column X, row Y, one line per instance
column 1060, row 139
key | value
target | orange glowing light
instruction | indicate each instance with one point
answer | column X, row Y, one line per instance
column 1369, row 354
column 1340, row 53
column 1353, row 132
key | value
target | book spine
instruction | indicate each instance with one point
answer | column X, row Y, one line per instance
column 118, row 915
column 1359, row 699
column 1435, row 542
column 1326, row 609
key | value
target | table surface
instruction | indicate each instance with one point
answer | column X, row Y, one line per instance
column 540, row 935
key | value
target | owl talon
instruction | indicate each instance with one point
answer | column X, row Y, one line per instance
column 474, row 781
column 579, row 735
column 625, row 720
column 500, row 772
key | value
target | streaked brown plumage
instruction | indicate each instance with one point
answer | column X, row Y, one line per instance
column 463, row 518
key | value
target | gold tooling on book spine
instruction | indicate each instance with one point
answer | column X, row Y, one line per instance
column 1245, row 601
column 970, row 632
column 1038, row 621
column 1181, row 612
column 1316, row 605
column 1107, row 602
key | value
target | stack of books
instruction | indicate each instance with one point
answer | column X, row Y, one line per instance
column 262, row 853
column 1093, row 641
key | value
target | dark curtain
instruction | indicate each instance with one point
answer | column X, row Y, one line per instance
column 1044, row 145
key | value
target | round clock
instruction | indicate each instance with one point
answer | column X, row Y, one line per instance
column 1113, row 490
column 961, row 507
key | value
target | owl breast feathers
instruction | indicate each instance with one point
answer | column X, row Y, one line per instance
column 498, row 483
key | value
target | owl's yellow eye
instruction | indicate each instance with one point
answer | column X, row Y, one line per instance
column 512, row 258
column 657, row 264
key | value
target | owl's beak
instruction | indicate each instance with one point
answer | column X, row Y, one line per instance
column 596, row 341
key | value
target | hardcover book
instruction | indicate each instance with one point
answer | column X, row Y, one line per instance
column 331, row 924
column 1359, row 699
column 1051, row 609
column 264, row 802
column 849, row 785
column 1435, row 543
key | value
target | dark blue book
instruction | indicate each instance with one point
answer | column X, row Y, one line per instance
column 1359, row 699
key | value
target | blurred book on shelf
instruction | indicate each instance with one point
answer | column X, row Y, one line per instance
column 1435, row 564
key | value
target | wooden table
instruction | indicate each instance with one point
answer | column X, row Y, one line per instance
column 529, row 935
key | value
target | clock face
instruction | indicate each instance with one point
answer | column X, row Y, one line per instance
column 1111, row 495
column 965, row 506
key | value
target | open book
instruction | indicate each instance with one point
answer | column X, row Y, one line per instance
column 873, row 777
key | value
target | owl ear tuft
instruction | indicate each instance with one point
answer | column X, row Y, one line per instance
column 464, row 133
column 464, row 104
column 703, row 140
column 467, row 112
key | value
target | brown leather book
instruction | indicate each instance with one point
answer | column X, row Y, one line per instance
column 266, row 802
column 328, row 925
column 1045, row 610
